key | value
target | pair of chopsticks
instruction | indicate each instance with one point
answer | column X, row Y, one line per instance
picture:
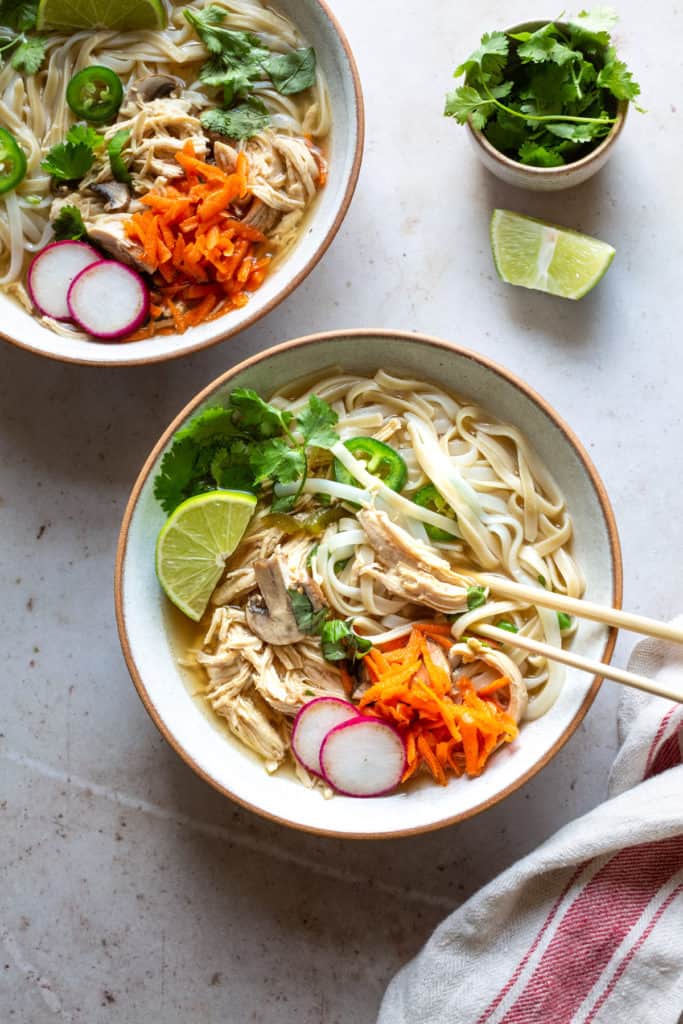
column 586, row 610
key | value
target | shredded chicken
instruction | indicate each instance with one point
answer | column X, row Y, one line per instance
column 410, row 569
column 249, row 682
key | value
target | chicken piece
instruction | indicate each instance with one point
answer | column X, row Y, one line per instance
column 468, row 652
column 410, row 569
column 108, row 231
column 248, row 719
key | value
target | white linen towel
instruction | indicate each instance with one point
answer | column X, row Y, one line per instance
column 588, row 929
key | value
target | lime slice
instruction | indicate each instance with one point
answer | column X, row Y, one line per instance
column 124, row 15
column 550, row 258
column 194, row 543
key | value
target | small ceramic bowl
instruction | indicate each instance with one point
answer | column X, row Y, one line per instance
column 546, row 179
column 151, row 642
column 320, row 27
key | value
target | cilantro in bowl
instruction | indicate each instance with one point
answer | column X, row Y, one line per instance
column 545, row 96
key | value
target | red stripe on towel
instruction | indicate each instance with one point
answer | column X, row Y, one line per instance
column 632, row 952
column 668, row 755
column 655, row 743
column 592, row 929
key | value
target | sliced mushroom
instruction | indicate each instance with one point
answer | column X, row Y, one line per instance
column 116, row 195
column 270, row 614
column 154, row 87
column 467, row 651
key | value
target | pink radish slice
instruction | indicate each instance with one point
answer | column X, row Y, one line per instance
column 363, row 757
column 108, row 299
column 52, row 272
column 312, row 725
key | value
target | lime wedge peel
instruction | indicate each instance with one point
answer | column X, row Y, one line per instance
column 547, row 257
column 194, row 543
column 122, row 15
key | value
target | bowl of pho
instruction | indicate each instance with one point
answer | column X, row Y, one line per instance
column 303, row 574
column 168, row 172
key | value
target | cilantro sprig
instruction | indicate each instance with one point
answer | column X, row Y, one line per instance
column 72, row 159
column 26, row 53
column 338, row 639
column 545, row 97
column 244, row 445
column 237, row 61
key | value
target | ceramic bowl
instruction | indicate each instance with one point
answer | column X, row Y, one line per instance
column 145, row 622
column 318, row 24
column 546, row 179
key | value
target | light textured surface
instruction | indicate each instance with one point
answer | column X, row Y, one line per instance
column 129, row 890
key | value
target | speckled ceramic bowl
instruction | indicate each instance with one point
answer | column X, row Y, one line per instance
column 319, row 25
column 201, row 740
column 546, row 179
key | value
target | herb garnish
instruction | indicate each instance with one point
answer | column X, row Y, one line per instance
column 544, row 97
column 238, row 60
column 72, row 159
column 243, row 445
column 339, row 641
column 476, row 597
column 27, row 52
column 68, row 225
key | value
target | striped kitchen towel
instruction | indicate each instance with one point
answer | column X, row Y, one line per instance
column 588, row 929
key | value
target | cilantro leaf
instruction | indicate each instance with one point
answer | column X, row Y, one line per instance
column 466, row 101
column 262, row 419
column 578, row 132
column 490, row 57
column 175, row 474
column 84, row 133
column 599, row 21
column 234, row 79
column 307, row 618
column 230, row 468
column 340, row 641
column 212, row 425
column 29, row 55
column 291, row 72
column 543, row 45
column 617, row 79
column 208, row 24
column 316, row 424
column 539, row 156
column 69, row 161
column 19, row 15
column 275, row 460
column 241, row 122
column 69, row 225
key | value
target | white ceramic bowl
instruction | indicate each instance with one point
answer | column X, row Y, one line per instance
column 143, row 613
column 317, row 23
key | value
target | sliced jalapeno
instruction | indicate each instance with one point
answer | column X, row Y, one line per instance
column 380, row 459
column 12, row 162
column 95, row 94
column 429, row 497
column 116, row 161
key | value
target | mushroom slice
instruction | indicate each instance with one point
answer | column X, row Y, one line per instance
column 270, row 614
column 154, row 87
column 116, row 195
column 467, row 651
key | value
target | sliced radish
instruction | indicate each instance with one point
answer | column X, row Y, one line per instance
column 312, row 725
column 52, row 272
column 108, row 299
column 363, row 757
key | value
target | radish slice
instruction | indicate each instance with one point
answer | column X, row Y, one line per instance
column 108, row 299
column 52, row 272
column 363, row 757
column 312, row 725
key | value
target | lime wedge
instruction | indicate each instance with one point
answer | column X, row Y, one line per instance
column 194, row 543
column 547, row 257
column 124, row 15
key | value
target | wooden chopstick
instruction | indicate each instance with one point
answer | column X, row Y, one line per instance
column 567, row 657
column 581, row 609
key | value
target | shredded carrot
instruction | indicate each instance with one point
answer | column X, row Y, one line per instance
column 446, row 727
column 204, row 261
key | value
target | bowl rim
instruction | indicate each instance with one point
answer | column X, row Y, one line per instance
column 375, row 334
column 290, row 286
column 549, row 172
